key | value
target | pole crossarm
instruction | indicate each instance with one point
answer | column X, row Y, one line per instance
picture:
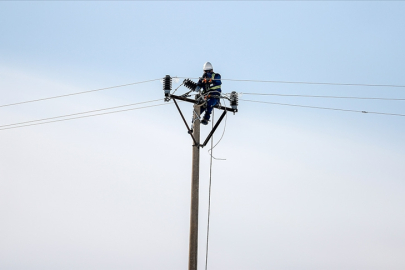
column 199, row 104
column 196, row 102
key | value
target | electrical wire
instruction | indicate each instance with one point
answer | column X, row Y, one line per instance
column 209, row 198
column 237, row 80
column 210, row 183
column 84, row 116
column 323, row 108
column 223, row 133
column 66, row 115
column 77, row 93
column 177, row 88
column 314, row 83
column 312, row 96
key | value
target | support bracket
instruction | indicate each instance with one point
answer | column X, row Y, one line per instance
column 190, row 131
column 213, row 130
column 185, row 122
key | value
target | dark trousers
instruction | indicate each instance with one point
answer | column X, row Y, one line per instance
column 211, row 102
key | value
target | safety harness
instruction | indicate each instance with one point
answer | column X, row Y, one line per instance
column 210, row 84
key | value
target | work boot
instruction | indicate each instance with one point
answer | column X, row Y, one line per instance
column 204, row 121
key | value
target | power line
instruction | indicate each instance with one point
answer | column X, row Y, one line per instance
column 236, row 80
column 66, row 115
column 321, row 83
column 323, row 108
column 316, row 83
column 312, row 96
column 77, row 93
column 84, row 116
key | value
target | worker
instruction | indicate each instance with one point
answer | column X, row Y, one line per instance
column 211, row 85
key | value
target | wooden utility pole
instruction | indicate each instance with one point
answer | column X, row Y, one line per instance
column 195, row 179
column 194, row 132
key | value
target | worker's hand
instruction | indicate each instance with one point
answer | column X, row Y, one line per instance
column 197, row 88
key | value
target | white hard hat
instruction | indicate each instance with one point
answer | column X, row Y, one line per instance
column 207, row 66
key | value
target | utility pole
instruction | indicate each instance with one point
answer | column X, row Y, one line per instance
column 195, row 179
column 195, row 135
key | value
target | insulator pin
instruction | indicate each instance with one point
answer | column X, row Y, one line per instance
column 167, row 85
column 190, row 84
column 234, row 100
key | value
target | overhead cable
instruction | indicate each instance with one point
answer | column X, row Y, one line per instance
column 77, row 93
column 316, row 83
column 84, row 116
column 312, row 96
column 323, row 108
column 67, row 115
column 237, row 80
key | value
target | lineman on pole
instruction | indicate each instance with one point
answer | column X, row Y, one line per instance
column 211, row 85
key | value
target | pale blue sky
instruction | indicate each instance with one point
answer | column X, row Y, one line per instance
column 301, row 188
column 110, row 43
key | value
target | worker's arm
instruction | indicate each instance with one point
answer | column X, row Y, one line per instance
column 199, row 85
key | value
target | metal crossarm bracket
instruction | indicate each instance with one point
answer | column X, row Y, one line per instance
column 213, row 130
column 190, row 131
column 185, row 122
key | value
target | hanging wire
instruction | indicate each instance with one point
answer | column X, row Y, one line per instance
column 209, row 198
column 210, row 183
column 177, row 88
column 223, row 133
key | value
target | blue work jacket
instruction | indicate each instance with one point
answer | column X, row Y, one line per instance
column 212, row 85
